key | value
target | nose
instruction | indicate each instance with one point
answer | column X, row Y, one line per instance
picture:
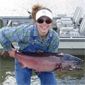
column 44, row 23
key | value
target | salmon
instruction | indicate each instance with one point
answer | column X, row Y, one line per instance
column 41, row 62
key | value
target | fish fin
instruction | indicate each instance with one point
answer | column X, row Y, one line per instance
column 58, row 67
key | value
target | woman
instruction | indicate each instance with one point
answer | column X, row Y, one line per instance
column 38, row 37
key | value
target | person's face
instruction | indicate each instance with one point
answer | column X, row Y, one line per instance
column 43, row 25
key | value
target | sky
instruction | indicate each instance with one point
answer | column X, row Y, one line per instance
column 20, row 7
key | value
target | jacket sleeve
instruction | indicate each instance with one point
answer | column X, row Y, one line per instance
column 9, row 35
column 54, row 43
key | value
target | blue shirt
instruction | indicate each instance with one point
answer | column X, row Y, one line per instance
column 26, row 34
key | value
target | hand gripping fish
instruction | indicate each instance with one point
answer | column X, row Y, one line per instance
column 41, row 62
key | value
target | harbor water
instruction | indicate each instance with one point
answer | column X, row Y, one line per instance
column 7, row 74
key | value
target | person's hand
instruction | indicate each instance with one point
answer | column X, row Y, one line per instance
column 12, row 53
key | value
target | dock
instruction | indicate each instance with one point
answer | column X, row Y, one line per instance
column 75, row 46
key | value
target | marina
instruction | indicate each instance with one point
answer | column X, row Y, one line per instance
column 69, row 22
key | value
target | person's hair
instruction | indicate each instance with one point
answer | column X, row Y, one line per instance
column 35, row 9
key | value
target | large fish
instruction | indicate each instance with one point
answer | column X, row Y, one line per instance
column 41, row 62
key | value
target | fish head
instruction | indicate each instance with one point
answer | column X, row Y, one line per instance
column 71, row 62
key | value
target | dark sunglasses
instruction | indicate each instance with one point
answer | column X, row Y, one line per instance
column 47, row 21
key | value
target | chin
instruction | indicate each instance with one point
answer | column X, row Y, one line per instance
column 44, row 33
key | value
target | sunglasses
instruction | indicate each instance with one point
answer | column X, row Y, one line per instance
column 41, row 21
